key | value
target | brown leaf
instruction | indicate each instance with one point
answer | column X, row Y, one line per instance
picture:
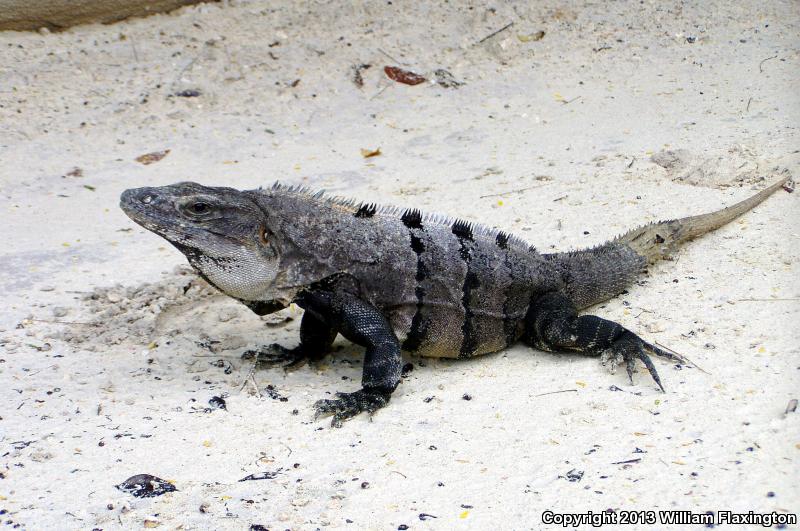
column 403, row 76
column 150, row 158
column 368, row 153
column 536, row 36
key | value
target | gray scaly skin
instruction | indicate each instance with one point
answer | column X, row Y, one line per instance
column 391, row 280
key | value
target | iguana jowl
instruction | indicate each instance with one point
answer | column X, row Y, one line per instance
column 391, row 280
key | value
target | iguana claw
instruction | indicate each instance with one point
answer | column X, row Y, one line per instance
column 275, row 354
column 348, row 405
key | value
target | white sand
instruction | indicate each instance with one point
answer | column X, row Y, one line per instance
column 572, row 119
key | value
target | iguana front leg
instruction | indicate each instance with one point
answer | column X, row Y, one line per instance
column 364, row 325
column 553, row 324
column 316, row 338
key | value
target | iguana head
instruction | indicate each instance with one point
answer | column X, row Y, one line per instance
column 222, row 232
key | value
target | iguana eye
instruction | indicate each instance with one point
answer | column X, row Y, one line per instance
column 199, row 207
column 262, row 234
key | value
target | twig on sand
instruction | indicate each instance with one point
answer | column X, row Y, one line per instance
column 761, row 64
column 255, row 384
column 135, row 52
column 63, row 322
column 628, row 462
column 251, row 378
column 556, row 392
column 379, row 92
column 769, row 300
column 501, row 194
column 495, row 33
column 390, row 57
column 684, row 358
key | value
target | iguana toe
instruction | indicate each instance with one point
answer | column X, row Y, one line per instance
column 274, row 355
column 347, row 405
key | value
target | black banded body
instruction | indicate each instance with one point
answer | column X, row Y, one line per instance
column 471, row 289
column 449, row 288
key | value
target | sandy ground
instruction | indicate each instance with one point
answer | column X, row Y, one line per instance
column 111, row 351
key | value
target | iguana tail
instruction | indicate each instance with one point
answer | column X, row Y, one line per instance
column 597, row 274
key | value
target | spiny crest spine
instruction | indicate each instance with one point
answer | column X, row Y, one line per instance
column 462, row 229
column 412, row 218
column 501, row 239
column 366, row 210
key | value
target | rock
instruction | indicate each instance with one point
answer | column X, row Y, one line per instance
column 671, row 159
column 113, row 296
column 228, row 313
column 145, row 486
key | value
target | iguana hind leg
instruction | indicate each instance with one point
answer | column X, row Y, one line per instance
column 364, row 325
column 316, row 338
column 553, row 324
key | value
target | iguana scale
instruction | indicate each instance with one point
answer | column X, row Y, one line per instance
column 391, row 280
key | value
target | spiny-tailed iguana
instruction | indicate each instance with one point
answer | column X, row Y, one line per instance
column 391, row 279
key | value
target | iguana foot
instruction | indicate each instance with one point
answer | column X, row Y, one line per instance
column 348, row 405
column 553, row 323
column 627, row 349
column 275, row 354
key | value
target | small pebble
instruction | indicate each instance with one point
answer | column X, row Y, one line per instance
column 217, row 402
column 113, row 297
column 60, row 311
column 226, row 314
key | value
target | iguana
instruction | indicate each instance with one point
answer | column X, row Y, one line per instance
column 395, row 280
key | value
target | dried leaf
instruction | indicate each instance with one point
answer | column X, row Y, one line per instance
column 150, row 158
column 536, row 36
column 403, row 76
column 369, row 153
